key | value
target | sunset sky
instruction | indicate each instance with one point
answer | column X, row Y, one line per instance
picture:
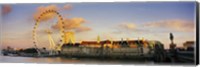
column 153, row 21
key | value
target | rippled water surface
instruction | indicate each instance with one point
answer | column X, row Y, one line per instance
column 11, row 59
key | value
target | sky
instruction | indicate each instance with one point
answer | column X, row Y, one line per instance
column 113, row 21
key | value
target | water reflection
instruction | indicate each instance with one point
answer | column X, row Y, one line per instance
column 36, row 60
column 10, row 59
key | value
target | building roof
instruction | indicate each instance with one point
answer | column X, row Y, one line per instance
column 88, row 42
column 187, row 43
column 109, row 42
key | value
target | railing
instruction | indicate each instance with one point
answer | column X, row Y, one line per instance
column 185, row 56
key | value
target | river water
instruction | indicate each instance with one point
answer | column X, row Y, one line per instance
column 61, row 60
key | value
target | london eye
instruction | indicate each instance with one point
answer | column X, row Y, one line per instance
column 48, row 31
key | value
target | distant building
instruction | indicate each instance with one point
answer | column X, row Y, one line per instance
column 188, row 44
column 90, row 44
column 70, row 41
column 115, row 44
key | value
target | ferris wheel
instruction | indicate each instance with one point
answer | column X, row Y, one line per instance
column 52, row 45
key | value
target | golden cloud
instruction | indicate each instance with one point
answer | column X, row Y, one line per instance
column 6, row 9
column 72, row 24
column 129, row 26
column 125, row 27
column 42, row 9
column 75, row 24
column 48, row 16
column 69, row 23
column 82, row 29
column 177, row 25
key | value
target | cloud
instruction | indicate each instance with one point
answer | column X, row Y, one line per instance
column 83, row 29
column 67, row 7
column 125, row 28
column 175, row 25
column 70, row 23
column 6, row 9
column 42, row 9
column 117, row 32
column 73, row 24
column 129, row 26
column 48, row 16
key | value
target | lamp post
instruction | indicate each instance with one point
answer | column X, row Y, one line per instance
column 173, row 48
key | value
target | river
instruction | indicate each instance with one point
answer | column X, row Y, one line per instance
column 61, row 60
